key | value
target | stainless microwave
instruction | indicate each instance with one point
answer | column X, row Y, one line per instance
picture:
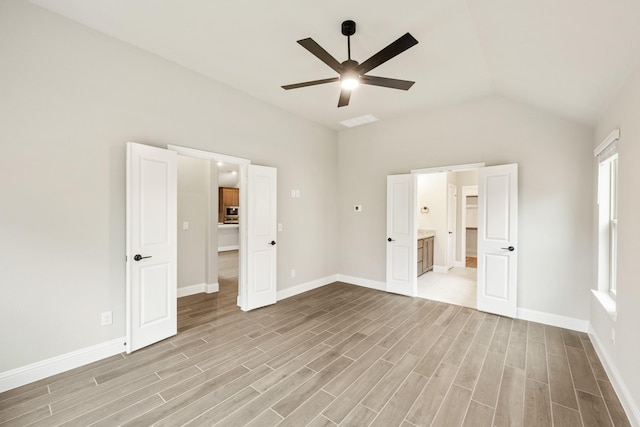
column 231, row 211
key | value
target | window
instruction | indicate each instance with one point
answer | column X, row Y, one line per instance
column 609, row 218
column 607, row 154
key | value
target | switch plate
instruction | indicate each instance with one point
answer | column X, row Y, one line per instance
column 279, row 227
column 293, row 273
column 185, row 225
column 106, row 318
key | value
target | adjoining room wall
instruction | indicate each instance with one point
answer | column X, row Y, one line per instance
column 622, row 352
column 555, row 190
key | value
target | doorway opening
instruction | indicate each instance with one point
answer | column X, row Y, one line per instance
column 208, row 243
column 448, row 213
column 210, row 253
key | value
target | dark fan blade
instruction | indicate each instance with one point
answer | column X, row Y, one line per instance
column 320, row 53
column 312, row 83
column 395, row 48
column 385, row 82
column 344, row 98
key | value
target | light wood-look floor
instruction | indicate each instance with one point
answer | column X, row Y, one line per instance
column 337, row 355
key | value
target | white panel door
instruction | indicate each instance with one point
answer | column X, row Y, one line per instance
column 402, row 256
column 151, row 257
column 452, row 203
column 498, row 239
column 261, row 237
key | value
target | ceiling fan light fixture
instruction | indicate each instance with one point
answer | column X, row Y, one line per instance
column 349, row 82
column 351, row 72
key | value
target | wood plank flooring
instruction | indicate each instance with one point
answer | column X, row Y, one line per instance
column 338, row 355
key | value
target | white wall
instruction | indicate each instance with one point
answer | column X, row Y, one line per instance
column 71, row 98
column 555, row 194
column 228, row 237
column 623, row 354
column 464, row 179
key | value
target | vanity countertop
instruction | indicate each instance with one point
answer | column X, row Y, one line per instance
column 221, row 225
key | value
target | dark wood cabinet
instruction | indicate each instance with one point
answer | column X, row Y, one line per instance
column 227, row 197
column 425, row 255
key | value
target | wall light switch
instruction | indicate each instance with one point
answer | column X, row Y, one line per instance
column 106, row 318
column 298, row 193
column 293, row 193
column 185, row 225
column 279, row 227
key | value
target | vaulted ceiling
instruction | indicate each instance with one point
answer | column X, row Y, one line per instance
column 569, row 57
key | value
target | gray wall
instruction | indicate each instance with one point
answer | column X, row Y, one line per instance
column 71, row 99
column 623, row 114
column 555, row 194
column 193, row 207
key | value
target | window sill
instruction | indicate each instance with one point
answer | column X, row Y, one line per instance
column 608, row 303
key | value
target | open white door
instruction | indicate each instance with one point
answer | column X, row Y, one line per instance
column 151, row 245
column 261, row 229
column 402, row 256
column 498, row 239
column 452, row 206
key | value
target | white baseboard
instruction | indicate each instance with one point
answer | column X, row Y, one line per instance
column 198, row 289
column 617, row 381
column 367, row 283
column 304, row 287
column 522, row 313
column 65, row 362
column 553, row 319
column 228, row 248
column 460, row 264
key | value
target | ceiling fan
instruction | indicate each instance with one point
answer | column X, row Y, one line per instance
column 351, row 72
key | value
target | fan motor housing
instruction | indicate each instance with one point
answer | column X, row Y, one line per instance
column 348, row 28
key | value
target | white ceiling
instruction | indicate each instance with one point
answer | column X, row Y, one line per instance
column 566, row 56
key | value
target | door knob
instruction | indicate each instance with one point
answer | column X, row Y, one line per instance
column 510, row 248
column 273, row 243
column 138, row 257
column 390, row 240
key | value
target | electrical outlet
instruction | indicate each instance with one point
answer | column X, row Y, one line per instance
column 293, row 273
column 106, row 318
column 185, row 225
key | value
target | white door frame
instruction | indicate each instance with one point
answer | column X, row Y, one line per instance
column 242, row 163
column 467, row 190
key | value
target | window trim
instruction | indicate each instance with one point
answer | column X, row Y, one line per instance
column 607, row 221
